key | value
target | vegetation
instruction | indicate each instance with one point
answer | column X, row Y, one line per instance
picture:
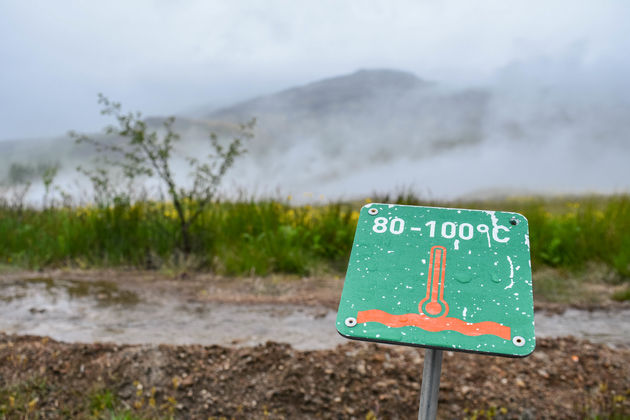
column 569, row 233
column 28, row 399
column 622, row 295
column 267, row 236
column 145, row 153
column 20, row 177
column 241, row 237
column 19, row 173
column 233, row 238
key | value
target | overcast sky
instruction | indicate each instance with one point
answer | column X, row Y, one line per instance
column 166, row 57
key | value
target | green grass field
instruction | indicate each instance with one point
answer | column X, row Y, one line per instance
column 264, row 237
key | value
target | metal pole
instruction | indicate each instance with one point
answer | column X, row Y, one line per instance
column 430, row 384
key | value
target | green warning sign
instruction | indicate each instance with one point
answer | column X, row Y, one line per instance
column 443, row 278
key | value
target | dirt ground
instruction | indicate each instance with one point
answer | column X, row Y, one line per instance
column 200, row 287
column 43, row 378
column 563, row 378
column 322, row 290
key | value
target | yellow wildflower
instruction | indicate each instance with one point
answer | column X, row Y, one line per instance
column 32, row 404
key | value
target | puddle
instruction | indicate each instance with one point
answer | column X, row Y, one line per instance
column 81, row 311
column 611, row 327
column 87, row 311
column 104, row 293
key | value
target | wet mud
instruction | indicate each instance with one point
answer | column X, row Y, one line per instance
column 80, row 310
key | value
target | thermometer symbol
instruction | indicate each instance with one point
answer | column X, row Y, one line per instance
column 433, row 304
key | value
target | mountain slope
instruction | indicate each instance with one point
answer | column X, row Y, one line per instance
column 329, row 95
column 376, row 130
column 381, row 110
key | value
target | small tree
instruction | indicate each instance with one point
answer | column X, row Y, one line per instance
column 19, row 180
column 48, row 173
column 148, row 153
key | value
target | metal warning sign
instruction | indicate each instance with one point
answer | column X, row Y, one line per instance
column 441, row 278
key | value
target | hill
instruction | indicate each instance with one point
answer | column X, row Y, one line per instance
column 378, row 130
column 375, row 113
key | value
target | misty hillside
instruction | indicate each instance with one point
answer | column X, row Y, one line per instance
column 369, row 113
column 330, row 95
column 378, row 130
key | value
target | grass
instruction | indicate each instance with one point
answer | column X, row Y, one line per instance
column 105, row 405
column 233, row 238
column 264, row 237
column 622, row 295
column 606, row 404
column 31, row 400
column 592, row 286
column 22, row 400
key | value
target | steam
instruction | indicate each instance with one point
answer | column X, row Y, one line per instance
column 523, row 133
column 537, row 128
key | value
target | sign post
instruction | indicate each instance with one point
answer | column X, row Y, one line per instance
column 430, row 384
column 439, row 278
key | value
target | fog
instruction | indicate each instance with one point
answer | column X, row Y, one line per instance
column 483, row 99
column 379, row 131
column 523, row 133
column 173, row 57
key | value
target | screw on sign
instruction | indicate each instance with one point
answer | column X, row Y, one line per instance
column 443, row 279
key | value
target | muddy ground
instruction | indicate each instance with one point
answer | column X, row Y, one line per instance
column 44, row 378
column 564, row 378
column 325, row 290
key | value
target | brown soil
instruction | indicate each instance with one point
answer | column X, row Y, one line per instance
column 564, row 378
column 286, row 289
column 202, row 287
column 42, row 378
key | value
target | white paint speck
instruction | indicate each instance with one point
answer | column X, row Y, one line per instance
column 509, row 286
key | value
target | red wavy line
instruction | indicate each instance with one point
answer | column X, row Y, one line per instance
column 435, row 324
